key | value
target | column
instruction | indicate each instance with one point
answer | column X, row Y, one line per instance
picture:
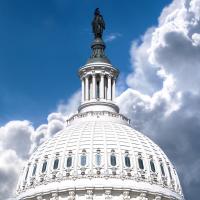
column 109, row 88
column 86, row 88
column 94, row 86
column 113, row 89
column 102, row 87
column 83, row 89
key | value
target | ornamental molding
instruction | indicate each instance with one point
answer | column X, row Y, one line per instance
column 98, row 66
column 108, row 194
column 94, row 102
column 62, row 177
column 142, row 196
column 98, row 113
column 55, row 196
column 126, row 195
column 89, row 194
column 158, row 198
column 71, row 195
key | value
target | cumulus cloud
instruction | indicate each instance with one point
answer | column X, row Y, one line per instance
column 18, row 139
column 70, row 107
column 15, row 143
column 163, row 100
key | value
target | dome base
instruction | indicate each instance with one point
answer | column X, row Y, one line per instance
column 95, row 105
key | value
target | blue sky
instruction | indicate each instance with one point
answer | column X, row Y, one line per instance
column 43, row 43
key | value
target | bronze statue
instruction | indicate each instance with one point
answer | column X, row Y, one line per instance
column 98, row 24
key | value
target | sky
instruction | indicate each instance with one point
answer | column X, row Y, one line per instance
column 156, row 46
column 43, row 43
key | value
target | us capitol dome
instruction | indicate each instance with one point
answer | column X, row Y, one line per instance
column 98, row 155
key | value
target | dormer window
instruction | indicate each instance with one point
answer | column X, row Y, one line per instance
column 98, row 158
column 44, row 166
column 113, row 160
column 55, row 164
column 34, row 169
column 83, row 158
column 140, row 163
column 127, row 160
column 153, row 169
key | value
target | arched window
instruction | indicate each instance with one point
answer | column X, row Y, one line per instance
column 127, row 161
column 34, row 169
column 162, row 169
column 27, row 172
column 170, row 174
column 152, row 166
column 69, row 161
column 55, row 164
column 98, row 158
column 83, row 158
column 141, row 164
column 113, row 160
column 44, row 166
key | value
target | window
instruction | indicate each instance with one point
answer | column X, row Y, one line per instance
column 55, row 164
column 98, row 89
column 98, row 158
column 152, row 166
column 170, row 174
column 27, row 172
column 69, row 161
column 127, row 161
column 113, row 160
column 44, row 166
column 162, row 169
column 34, row 169
column 83, row 160
column 140, row 162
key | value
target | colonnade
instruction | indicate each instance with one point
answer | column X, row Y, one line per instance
column 98, row 86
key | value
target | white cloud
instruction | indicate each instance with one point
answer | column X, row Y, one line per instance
column 163, row 100
column 70, row 107
column 18, row 139
column 10, row 166
column 15, row 140
column 112, row 36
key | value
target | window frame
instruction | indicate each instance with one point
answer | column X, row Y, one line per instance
column 141, row 161
column 27, row 172
column 98, row 162
column 83, row 154
column 45, row 169
column 162, row 169
column 170, row 172
column 58, row 163
column 66, row 161
column 125, row 163
column 152, row 166
column 113, row 155
column 35, row 166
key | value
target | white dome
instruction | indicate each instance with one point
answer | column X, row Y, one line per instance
column 96, row 137
column 98, row 155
